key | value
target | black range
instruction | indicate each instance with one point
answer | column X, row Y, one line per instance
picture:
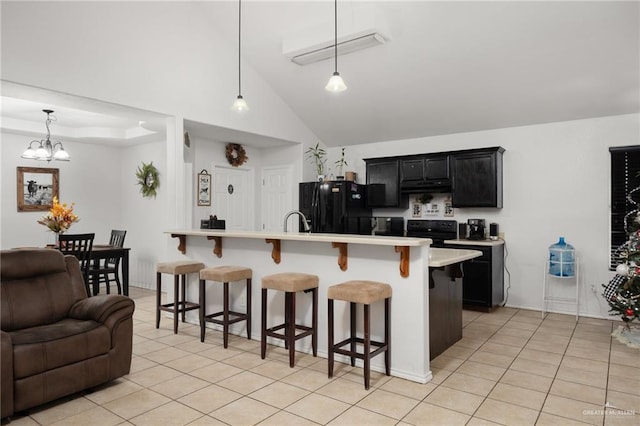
column 438, row 230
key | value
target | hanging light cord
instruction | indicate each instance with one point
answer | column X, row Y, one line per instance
column 335, row 21
column 239, row 44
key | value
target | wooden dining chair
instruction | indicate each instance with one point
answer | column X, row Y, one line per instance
column 101, row 273
column 80, row 246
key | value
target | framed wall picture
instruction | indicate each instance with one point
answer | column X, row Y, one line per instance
column 204, row 188
column 36, row 187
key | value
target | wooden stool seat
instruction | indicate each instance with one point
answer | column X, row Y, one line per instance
column 364, row 293
column 179, row 269
column 290, row 283
column 225, row 275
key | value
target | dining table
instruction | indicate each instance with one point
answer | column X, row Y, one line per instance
column 106, row 251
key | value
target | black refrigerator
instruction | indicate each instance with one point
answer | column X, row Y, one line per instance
column 337, row 207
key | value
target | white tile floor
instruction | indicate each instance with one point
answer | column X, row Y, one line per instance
column 510, row 368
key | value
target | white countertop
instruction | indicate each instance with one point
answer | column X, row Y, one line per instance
column 476, row 242
column 443, row 256
column 295, row 236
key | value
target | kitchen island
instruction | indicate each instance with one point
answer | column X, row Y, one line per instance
column 401, row 262
column 445, row 296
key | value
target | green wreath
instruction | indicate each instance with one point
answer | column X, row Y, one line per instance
column 148, row 179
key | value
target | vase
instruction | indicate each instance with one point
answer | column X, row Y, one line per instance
column 56, row 239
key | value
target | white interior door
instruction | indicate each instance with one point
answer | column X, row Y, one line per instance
column 232, row 195
column 277, row 197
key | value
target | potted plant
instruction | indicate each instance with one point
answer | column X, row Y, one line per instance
column 425, row 198
column 317, row 155
column 340, row 163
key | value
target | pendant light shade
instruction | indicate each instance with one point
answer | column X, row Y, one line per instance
column 44, row 149
column 335, row 84
column 240, row 105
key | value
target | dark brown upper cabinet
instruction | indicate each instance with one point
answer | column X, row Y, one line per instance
column 477, row 178
column 425, row 173
column 383, row 183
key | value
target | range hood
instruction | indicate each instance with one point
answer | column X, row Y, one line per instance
column 420, row 186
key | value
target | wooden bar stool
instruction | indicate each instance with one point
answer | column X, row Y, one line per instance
column 290, row 283
column 179, row 305
column 365, row 293
column 225, row 275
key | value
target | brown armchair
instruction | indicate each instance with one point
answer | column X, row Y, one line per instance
column 56, row 341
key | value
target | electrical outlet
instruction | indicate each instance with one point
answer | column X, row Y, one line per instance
column 501, row 235
column 594, row 290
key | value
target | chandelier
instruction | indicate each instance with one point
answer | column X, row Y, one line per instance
column 45, row 150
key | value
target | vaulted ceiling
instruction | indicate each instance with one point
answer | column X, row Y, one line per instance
column 446, row 67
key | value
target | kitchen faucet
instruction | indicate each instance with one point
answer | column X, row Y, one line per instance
column 304, row 220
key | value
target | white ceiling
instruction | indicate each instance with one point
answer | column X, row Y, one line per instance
column 82, row 119
column 447, row 67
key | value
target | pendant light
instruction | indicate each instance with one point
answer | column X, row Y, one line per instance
column 46, row 151
column 239, row 105
column 336, row 84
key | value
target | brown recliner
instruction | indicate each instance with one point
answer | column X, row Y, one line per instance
column 56, row 341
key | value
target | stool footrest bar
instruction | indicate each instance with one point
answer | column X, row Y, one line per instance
column 238, row 317
column 182, row 306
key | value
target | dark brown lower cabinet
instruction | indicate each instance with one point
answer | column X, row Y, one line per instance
column 483, row 281
column 445, row 309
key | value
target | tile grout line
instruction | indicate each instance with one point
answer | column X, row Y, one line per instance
column 310, row 367
column 556, row 374
column 506, row 369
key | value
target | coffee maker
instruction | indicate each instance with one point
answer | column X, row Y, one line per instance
column 476, row 229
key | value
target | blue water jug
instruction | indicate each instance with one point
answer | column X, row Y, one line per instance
column 561, row 259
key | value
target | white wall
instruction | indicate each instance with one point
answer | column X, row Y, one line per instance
column 144, row 218
column 204, row 153
column 158, row 56
column 176, row 64
column 92, row 180
column 101, row 181
column 556, row 183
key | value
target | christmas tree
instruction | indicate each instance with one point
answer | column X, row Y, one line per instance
column 623, row 291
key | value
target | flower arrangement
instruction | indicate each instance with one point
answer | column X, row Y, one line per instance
column 59, row 218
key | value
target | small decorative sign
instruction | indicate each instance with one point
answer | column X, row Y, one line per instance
column 204, row 188
column 416, row 210
column 448, row 208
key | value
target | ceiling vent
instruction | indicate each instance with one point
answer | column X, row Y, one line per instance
column 346, row 44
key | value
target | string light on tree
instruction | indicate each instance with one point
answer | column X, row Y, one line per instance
column 623, row 291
